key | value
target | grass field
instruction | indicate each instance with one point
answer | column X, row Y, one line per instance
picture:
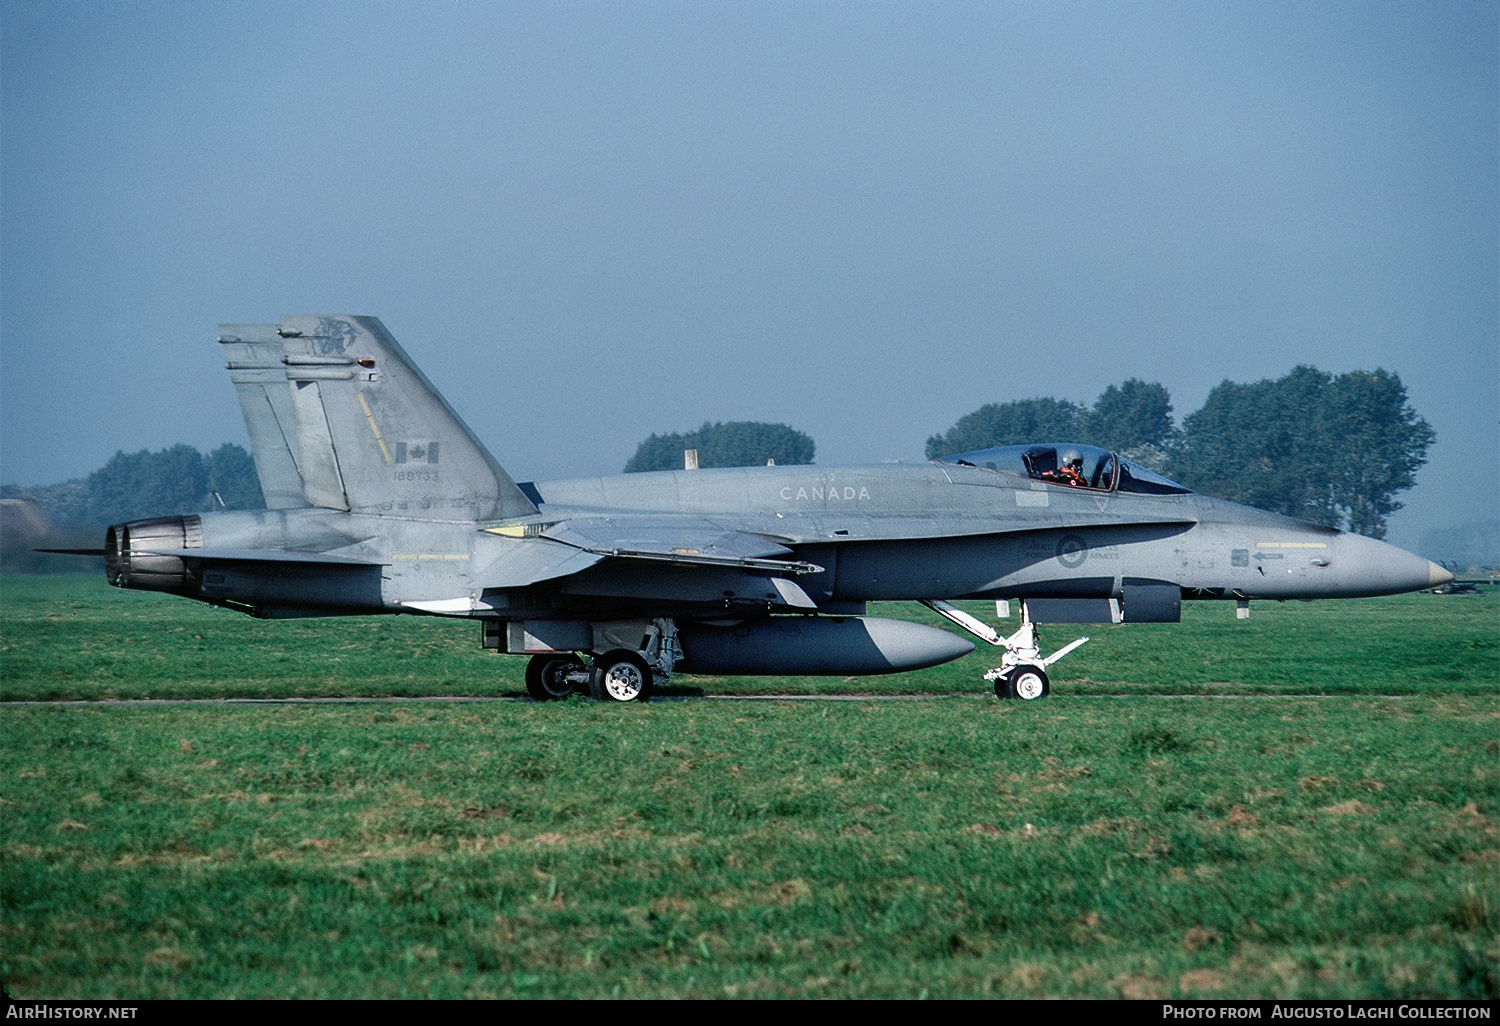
column 76, row 638
column 1303, row 805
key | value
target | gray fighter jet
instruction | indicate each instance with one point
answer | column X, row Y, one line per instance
column 381, row 500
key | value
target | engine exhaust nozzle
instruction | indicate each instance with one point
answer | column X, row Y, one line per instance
column 142, row 554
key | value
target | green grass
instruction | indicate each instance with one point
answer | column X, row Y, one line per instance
column 1090, row 845
column 77, row 638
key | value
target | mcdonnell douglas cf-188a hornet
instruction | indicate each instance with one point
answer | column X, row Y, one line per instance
column 381, row 500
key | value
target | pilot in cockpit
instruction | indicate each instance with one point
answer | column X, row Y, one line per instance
column 1069, row 470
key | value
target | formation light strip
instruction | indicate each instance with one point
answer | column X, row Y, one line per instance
column 371, row 418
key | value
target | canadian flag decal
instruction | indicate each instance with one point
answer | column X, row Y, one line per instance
column 416, row 452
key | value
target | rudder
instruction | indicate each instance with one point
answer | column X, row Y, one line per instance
column 259, row 376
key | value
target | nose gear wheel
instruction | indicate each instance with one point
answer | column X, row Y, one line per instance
column 1022, row 672
column 1024, row 682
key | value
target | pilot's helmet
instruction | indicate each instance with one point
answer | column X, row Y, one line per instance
column 1072, row 458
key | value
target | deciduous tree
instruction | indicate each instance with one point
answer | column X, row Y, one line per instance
column 1013, row 423
column 1332, row 450
column 736, row 443
column 145, row 483
column 178, row 479
column 232, row 475
column 1135, row 415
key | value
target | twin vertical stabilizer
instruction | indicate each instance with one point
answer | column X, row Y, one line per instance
column 340, row 418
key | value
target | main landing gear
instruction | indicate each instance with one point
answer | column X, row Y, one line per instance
column 617, row 675
column 555, row 675
column 1022, row 672
column 620, row 676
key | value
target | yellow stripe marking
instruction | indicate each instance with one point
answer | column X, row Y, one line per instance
column 442, row 557
column 509, row 531
column 378, row 440
column 1291, row 545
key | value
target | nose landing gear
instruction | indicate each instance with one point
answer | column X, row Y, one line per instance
column 1025, row 682
column 1022, row 672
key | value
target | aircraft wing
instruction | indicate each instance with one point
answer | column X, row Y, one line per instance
column 690, row 540
column 566, row 547
column 664, row 537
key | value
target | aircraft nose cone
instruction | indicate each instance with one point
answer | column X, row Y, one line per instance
column 1370, row 567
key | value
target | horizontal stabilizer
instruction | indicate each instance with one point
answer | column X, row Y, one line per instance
column 531, row 560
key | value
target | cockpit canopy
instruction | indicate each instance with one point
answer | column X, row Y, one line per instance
column 1069, row 465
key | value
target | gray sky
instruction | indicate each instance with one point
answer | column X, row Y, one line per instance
column 589, row 222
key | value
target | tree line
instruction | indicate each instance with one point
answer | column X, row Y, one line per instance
column 132, row 486
column 737, row 443
column 1134, row 419
column 1332, row 450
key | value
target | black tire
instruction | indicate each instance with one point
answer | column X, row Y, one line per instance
column 1027, row 683
column 546, row 675
column 620, row 676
